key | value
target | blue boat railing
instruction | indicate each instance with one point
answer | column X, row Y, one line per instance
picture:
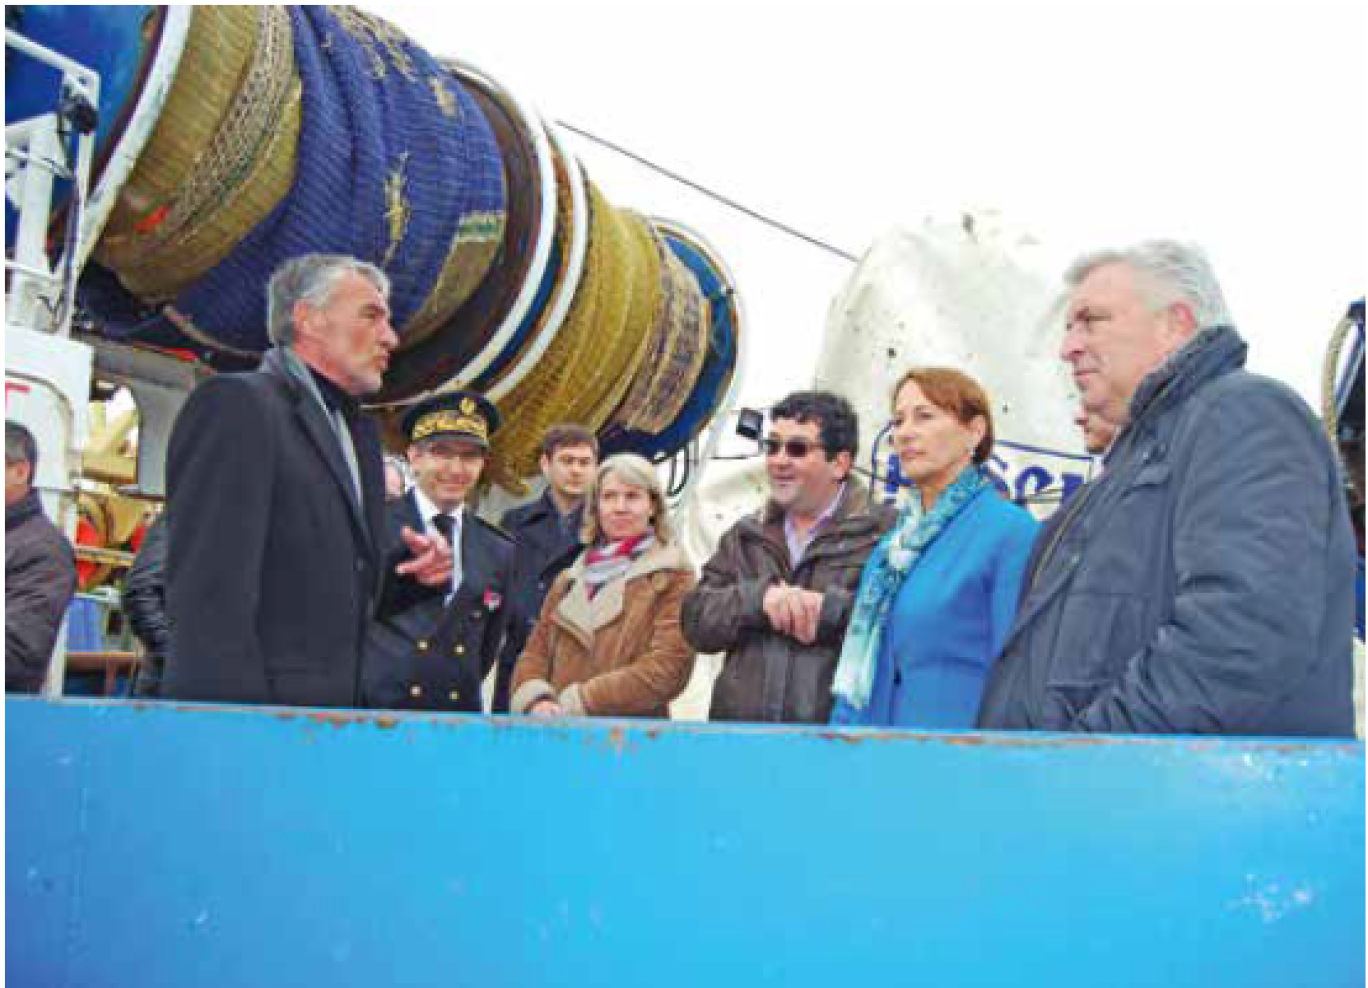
column 160, row 844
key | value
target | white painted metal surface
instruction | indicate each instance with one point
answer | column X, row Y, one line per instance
column 47, row 384
column 159, row 384
column 138, row 131
column 33, row 163
column 41, row 293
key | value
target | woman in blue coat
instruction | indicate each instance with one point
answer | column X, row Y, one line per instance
column 938, row 594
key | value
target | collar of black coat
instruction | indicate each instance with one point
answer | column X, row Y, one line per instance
column 545, row 507
column 22, row 510
column 334, row 397
column 1211, row 353
column 290, row 365
column 552, row 511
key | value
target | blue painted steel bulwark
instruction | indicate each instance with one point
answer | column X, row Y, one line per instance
column 152, row 844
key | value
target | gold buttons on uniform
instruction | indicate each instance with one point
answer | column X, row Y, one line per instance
column 460, row 650
column 454, row 695
column 415, row 690
column 422, row 646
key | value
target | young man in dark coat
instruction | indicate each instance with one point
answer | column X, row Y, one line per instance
column 777, row 594
column 546, row 536
column 435, row 652
column 276, row 503
column 40, row 569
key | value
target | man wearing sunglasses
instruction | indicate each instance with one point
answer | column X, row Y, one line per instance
column 776, row 596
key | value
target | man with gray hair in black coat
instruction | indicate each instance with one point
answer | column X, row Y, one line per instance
column 276, row 503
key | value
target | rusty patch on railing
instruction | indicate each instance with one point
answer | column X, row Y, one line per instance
column 847, row 737
column 617, row 740
column 340, row 718
column 621, row 737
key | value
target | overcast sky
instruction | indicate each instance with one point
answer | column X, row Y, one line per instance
column 1237, row 125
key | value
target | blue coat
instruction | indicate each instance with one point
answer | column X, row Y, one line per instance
column 949, row 620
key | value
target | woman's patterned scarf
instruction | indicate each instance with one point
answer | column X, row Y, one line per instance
column 888, row 566
column 609, row 560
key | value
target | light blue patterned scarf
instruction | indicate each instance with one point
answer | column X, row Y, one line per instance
column 894, row 557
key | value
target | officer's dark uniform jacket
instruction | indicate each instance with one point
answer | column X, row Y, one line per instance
column 428, row 654
column 545, row 544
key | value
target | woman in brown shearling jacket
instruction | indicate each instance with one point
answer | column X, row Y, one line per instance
column 608, row 642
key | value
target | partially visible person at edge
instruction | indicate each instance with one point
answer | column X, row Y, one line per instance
column 144, row 604
column 546, row 535
column 40, row 569
column 939, row 592
column 276, row 503
column 434, row 653
column 1203, row 583
column 777, row 594
column 396, row 478
column 1350, row 443
column 1097, row 432
column 1353, row 458
column 608, row 642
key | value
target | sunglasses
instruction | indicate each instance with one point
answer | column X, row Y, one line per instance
column 795, row 448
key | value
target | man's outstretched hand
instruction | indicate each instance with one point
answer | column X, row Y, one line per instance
column 430, row 563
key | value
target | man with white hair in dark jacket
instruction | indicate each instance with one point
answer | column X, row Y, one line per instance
column 1203, row 584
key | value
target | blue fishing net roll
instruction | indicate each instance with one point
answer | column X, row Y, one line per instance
column 393, row 154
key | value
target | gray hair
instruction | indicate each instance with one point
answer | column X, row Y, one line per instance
column 311, row 279
column 20, row 446
column 639, row 472
column 1170, row 271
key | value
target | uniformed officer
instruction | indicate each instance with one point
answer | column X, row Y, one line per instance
column 435, row 650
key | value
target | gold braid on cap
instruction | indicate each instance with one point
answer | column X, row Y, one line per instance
column 448, row 420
